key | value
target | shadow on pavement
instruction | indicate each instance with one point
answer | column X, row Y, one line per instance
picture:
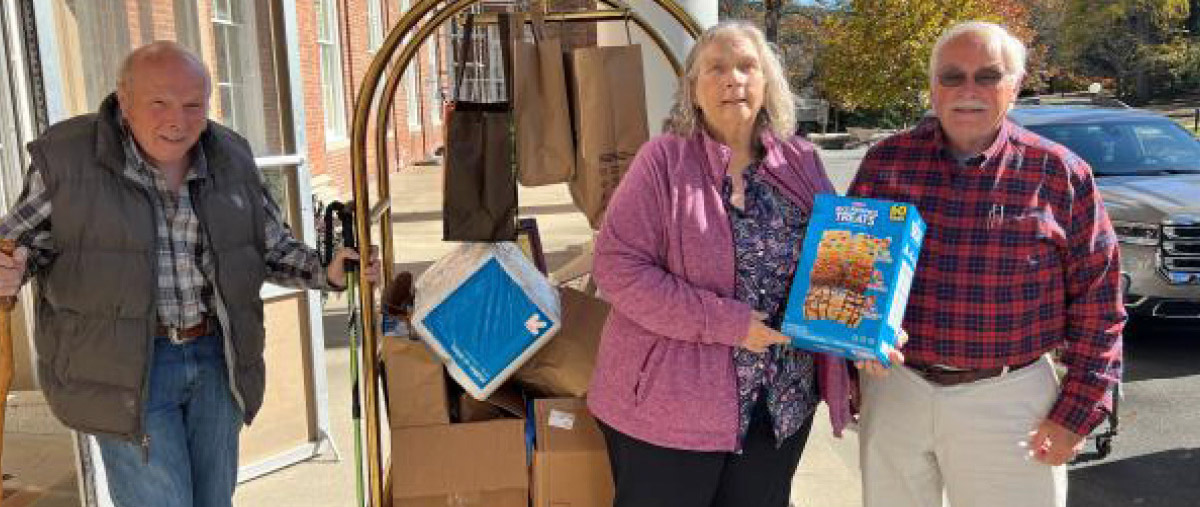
column 1163, row 479
column 1161, row 350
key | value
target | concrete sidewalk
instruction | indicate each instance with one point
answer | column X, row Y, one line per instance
column 828, row 474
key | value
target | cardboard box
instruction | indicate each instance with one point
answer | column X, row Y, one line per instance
column 563, row 367
column 852, row 280
column 508, row 402
column 416, row 384
column 460, row 465
column 570, row 463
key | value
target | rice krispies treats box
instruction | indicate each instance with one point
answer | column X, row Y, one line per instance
column 852, row 280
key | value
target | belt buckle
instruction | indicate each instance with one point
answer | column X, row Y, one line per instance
column 176, row 336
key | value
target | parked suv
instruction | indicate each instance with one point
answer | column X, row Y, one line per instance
column 1148, row 170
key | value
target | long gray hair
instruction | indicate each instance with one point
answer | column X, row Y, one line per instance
column 779, row 107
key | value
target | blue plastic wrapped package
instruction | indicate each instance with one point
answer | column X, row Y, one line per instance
column 485, row 309
column 852, row 280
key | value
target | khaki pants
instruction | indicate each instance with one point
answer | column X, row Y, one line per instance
column 922, row 444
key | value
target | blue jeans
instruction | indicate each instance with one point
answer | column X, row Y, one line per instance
column 193, row 422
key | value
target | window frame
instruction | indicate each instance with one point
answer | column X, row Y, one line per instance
column 333, row 91
column 435, row 110
column 374, row 25
column 227, row 73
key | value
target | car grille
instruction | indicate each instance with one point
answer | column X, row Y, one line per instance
column 1181, row 248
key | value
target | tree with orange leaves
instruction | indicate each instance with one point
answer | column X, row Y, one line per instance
column 876, row 52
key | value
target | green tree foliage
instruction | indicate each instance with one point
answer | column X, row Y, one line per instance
column 798, row 35
column 876, row 52
column 1131, row 41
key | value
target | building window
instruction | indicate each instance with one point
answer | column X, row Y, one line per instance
column 237, row 70
column 374, row 25
column 434, row 98
column 227, row 29
column 412, row 102
column 333, row 96
column 483, row 74
column 494, row 80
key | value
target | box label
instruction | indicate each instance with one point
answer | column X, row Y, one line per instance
column 561, row 420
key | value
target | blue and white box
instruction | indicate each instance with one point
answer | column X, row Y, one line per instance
column 852, row 280
column 485, row 309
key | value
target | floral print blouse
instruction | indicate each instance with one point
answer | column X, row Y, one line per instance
column 767, row 234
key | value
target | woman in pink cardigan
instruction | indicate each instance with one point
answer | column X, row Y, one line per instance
column 701, row 400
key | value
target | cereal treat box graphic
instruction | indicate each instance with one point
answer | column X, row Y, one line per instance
column 852, row 280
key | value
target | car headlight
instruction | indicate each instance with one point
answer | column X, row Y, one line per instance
column 1137, row 233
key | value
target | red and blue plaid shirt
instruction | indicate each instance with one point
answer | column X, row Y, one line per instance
column 1019, row 259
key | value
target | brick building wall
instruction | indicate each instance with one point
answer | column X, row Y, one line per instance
column 331, row 157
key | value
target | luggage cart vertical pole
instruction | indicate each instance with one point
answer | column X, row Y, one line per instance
column 369, row 377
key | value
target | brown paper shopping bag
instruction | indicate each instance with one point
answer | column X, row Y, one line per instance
column 416, row 384
column 563, row 367
column 479, row 194
column 609, row 98
column 545, row 149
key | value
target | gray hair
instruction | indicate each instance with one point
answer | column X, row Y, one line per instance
column 779, row 107
column 156, row 51
column 1012, row 50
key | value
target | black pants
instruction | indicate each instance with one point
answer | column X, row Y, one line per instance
column 646, row 475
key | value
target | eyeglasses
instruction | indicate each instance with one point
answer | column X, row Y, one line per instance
column 985, row 78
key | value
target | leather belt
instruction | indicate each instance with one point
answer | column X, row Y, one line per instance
column 944, row 376
column 183, row 335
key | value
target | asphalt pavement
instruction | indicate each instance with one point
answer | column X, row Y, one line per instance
column 1156, row 454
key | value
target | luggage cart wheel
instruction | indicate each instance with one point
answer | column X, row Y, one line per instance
column 1104, row 446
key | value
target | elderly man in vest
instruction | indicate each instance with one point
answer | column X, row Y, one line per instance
column 149, row 234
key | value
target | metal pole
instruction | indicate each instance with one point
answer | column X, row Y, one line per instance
column 355, row 405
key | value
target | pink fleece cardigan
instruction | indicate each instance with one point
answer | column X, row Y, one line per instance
column 664, row 260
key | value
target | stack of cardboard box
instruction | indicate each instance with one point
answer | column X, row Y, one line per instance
column 449, row 449
column 439, row 463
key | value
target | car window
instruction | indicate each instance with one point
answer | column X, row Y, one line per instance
column 1147, row 146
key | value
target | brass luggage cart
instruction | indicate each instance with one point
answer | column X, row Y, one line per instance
column 373, row 224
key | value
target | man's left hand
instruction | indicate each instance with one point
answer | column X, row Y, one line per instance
column 877, row 369
column 336, row 270
column 1053, row 444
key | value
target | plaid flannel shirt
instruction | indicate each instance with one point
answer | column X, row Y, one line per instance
column 185, row 263
column 1019, row 259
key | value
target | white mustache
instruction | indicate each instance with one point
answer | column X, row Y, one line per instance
column 969, row 104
